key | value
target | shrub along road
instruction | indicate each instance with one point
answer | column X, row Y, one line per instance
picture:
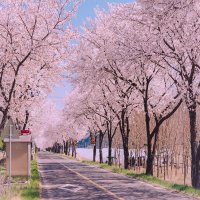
column 68, row 179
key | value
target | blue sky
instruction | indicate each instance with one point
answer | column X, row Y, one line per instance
column 86, row 10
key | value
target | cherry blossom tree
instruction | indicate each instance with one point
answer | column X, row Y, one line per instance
column 111, row 98
column 141, row 58
column 44, row 123
column 34, row 37
column 91, row 115
column 123, row 56
column 175, row 25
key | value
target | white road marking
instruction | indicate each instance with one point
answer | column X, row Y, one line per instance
column 68, row 187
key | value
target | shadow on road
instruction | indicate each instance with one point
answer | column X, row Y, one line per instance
column 60, row 181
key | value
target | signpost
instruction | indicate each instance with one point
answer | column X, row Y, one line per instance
column 93, row 140
column 10, row 132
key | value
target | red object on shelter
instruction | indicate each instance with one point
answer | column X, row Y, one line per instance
column 25, row 132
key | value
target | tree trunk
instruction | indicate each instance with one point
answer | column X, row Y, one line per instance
column 100, row 156
column 111, row 132
column 151, row 152
column 198, row 167
column 94, row 153
column 126, row 156
column 74, row 149
column 124, row 129
column 164, row 160
column 26, row 120
column 149, row 167
column 109, row 150
column 66, row 148
column 3, row 120
column 157, row 161
column 119, row 157
column 195, row 148
column 94, row 150
column 150, row 157
column 69, row 147
column 101, row 135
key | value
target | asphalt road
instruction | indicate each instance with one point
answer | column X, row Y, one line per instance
column 68, row 179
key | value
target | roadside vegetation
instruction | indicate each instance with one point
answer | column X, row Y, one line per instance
column 150, row 179
column 32, row 190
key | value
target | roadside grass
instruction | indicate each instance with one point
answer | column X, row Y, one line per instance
column 23, row 188
column 68, row 156
column 31, row 191
column 2, row 170
column 150, row 179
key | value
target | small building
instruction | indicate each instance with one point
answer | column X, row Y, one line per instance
column 20, row 155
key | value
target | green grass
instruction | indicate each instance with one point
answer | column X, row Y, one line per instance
column 182, row 188
column 150, row 179
column 91, row 162
column 2, row 170
column 2, row 144
column 32, row 190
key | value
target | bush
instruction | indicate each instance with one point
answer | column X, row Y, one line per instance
column 2, row 145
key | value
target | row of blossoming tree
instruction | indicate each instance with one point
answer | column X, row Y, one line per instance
column 137, row 59
column 34, row 38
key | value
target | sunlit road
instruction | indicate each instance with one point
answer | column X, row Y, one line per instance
column 67, row 179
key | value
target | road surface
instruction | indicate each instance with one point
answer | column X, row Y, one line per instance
column 63, row 178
